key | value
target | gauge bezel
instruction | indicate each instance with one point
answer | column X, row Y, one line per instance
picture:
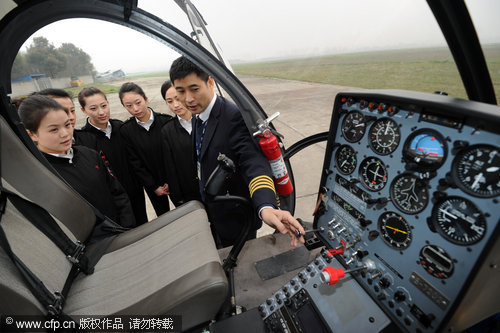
column 444, row 233
column 365, row 182
column 394, row 199
column 433, row 268
column 337, row 164
column 374, row 143
column 391, row 242
column 455, row 173
column 427, row 165
column 342, row 128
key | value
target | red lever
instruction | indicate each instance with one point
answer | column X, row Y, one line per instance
column 338, row 249
column 332, row 275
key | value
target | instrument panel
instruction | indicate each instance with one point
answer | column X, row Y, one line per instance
column 412, row 182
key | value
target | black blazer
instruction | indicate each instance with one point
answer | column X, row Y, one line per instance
column 178, row 157
column 227, row 133
column 88, row 175
column 145, row 152
column 114, row 153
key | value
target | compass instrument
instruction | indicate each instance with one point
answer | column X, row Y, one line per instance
column 436, row 261
column 395, row 231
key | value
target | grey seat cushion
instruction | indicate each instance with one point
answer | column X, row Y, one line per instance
column 174, row 270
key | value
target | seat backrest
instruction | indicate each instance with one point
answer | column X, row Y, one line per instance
column 38, row 184
column 38, row 253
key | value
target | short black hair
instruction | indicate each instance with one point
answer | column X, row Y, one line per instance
column 53, row 92
column 130, row 87
column 34, row 108
column 164, row 87
column 182, row 67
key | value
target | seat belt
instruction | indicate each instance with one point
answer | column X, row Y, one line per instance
column 53, row 302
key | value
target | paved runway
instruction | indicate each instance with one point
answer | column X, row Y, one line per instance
column 305, row 109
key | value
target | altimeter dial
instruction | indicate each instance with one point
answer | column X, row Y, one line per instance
column 384, row 136
column 476, row 170
column 459, row 220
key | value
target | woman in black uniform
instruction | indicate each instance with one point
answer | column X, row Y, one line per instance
column 48, row 125
column 103, row 135
column 178, row 150
column 142, row 137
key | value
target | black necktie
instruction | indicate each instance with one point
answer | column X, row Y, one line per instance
column 199, row 135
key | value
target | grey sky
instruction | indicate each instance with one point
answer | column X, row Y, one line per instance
column 260, row 29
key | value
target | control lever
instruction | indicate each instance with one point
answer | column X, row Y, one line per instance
column 331, row 275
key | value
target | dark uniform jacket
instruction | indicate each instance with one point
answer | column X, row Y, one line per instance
column 181, row 169
column 144, row 149
column 87, row 174
column 114, row 152
column 227, row 133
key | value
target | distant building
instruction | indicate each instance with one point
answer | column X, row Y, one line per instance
column 109, row 76
column 25, row 85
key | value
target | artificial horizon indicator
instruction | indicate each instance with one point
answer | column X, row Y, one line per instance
column 426, row 149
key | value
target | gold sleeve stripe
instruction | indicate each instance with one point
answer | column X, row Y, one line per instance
column 261, row 182
column 257, row 181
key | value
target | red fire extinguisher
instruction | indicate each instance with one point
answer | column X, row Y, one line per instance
column 271, row 149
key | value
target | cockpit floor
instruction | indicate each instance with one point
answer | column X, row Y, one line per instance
column 250, row 288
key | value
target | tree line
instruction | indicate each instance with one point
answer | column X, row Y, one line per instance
column 42, row 57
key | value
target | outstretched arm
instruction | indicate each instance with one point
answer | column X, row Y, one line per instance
column 284, row 222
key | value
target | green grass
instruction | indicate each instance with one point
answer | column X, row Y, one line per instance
column 104, row 87
column 427, row 70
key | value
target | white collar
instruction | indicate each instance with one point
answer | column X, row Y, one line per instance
column 186, row 124
column 205, row 114
column 106, row 131
column 147, row 124
column 69, row 155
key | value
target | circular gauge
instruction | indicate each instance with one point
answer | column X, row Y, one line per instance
column 459, row 220
column 354, row 126
column 476, row 170
column 409, row 193
column 345, row 159
column 426, row 148
column 436, row 261
column 373, row 174
column 384, row 136
column 395, row 231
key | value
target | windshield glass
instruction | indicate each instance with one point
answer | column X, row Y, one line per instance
column 294, row 57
